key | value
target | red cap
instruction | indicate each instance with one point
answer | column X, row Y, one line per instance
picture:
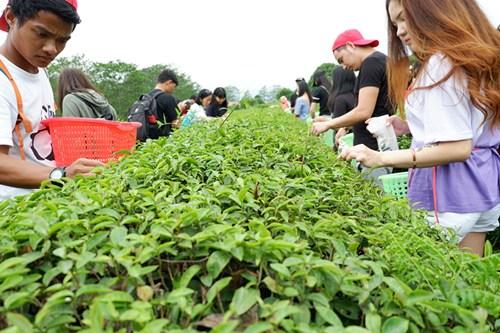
column 5, row 27
column 355, row 37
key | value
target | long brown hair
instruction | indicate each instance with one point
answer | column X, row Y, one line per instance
column 72, row 80
column 459, row 30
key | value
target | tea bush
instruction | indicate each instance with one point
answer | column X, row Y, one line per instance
column 250, row 227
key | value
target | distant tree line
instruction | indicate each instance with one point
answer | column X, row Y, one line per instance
column 122, row 83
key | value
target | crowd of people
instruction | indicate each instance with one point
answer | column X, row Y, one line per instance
column 449, row 103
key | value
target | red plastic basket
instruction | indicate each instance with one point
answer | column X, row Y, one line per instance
column 97, row 139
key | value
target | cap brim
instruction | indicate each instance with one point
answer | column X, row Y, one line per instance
column 3, row 24
column 367, row 42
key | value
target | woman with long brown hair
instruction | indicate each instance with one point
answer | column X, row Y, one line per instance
column 77, row 97
column 452, row 111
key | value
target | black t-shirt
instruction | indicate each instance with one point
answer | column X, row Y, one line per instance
column 372, row 74
column 320, row 96
column 167, row 111
column 343, row 103
column 216, row 110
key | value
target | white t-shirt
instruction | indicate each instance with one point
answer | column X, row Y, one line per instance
column 38, row 104
column 443, row 113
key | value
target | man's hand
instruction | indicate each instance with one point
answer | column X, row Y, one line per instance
column 176, row 123
column 82, row 166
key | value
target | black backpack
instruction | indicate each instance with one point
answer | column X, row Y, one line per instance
column 144, row 111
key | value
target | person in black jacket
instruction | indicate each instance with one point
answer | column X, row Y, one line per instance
column 166, row 103
column 341, row 98
column 218, row 105
column 320, row 93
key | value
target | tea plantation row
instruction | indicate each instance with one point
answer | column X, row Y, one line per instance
column 249, row 227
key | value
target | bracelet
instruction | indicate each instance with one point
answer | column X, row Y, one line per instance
column 414, row 157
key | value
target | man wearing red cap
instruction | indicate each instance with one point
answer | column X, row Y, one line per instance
column 356, row 53
column 37, row 31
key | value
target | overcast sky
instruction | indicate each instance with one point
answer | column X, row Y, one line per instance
column 244, row 43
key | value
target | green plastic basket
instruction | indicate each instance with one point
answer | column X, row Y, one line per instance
column 348, row 140
column 395, row 184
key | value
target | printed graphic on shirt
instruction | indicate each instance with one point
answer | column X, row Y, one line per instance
column 41, row 143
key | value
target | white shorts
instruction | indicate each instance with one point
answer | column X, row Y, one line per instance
column 464, row 223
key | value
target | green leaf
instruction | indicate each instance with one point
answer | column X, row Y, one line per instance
column 418, row 296
column 259, row 327
column 329, row 316
column 243, row 300
column 217, row 288
column 395, row 325
column 92, row 289
column 228, row 327
column 15, row 300
column 118, row 235
column 16, row 261
column 290, row 292
column 280, row 268
column 60, row 252
column 187, row 276
column 175, row 294
column 84, row 259
column 488, row 249
column 318, row 299
column 19, row 321
column 373, row 322
column 156, row 326
column 10, row 282
column 400, row 289
column 272, row 285
column 216, row 263
column 109, row 212
column 355, row 329
column 50, row 274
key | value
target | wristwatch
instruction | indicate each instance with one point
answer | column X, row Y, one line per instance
column 57, row 173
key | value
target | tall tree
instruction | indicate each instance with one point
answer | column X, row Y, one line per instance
column 287, row 92
column 233, row 93
column 325, row 67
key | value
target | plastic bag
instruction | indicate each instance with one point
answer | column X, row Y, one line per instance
column 384, row 133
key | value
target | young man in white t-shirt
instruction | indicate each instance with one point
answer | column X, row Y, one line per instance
column 37, row 31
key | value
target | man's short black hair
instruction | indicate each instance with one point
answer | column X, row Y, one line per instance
column 25, row 10
column 166, row 75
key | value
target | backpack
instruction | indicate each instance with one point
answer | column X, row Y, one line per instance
column 144, row 111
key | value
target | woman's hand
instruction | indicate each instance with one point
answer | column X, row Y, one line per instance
column 320, row 119
column 400, row 126
column 364, row 155
column 340, row 133
column 319, row 127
